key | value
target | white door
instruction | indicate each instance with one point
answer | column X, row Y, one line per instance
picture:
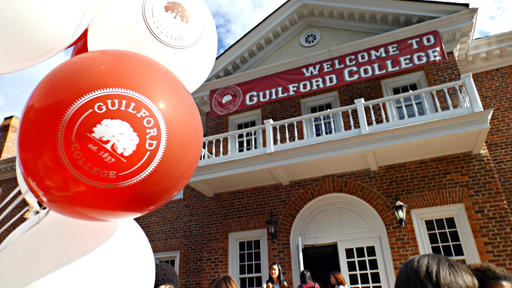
column 362, row 263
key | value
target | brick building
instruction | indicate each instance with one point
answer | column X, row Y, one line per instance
column 329, row 163
column 328, row 160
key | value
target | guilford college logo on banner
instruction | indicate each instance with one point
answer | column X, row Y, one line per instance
column 112, row 137
column 357, row 66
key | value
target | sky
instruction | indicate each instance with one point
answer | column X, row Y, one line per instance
column 233, row 19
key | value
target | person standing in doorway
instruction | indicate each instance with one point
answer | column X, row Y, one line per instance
column 306, row 281
column 337, row 280
column 275, row 277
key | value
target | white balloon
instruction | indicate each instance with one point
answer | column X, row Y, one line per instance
column 32, row 31
column 65, row 252
column 180, row 34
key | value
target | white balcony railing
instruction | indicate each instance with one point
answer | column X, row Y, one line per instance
column 409, row 108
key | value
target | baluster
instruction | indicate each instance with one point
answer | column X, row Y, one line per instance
column 322, row 125
column 436, row 101
column 341, row 121
column 461, row 100
column 331, row 120
column 372, row 114
column 260, row 137
column 286, row 133
column 425, row 102
column 403, row 108
column 221, row 147
column 229, row 145
column 382, row 113
column 214, row 147
column 304, row 129
column 295, row 134
column 416, row 113
column 278, row 135
column 351, row 120
column 448, row 99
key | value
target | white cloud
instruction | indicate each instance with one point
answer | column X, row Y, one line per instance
column 234, row 18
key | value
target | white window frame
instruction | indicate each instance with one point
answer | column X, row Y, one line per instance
column 306, row 104
column 234, row 239
column 159, row 256
column 241, row 118
column 458, row 212
column 419, row 78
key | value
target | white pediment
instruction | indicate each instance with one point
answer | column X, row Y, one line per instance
column 345, row 26
column 371, row 16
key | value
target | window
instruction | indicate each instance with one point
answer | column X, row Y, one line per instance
column 171, row 257
column 362, row 263
column 247, row 141
column 408, row 107
column 326, row 124
column 248, row 257
column 445, row 230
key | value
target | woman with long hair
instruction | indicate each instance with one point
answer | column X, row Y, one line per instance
column 306, row 281
column 337, row 280
column 275, row 277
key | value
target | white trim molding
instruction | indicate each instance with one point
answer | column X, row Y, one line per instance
column 458, row 212
column 169, row 255
column 233, row 262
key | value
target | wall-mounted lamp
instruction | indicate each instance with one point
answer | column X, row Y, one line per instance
column 400, row 210
column 272, row 227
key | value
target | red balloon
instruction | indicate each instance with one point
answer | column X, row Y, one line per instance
column 108, row 135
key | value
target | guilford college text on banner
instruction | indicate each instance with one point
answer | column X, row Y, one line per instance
column 373, row 62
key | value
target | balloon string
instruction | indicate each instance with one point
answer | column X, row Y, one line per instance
column 14, row 219
column 40, row 216
column 14, row 203
column 10, row 196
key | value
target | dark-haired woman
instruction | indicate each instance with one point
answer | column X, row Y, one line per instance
column 433, row 270
column 275, row 277
column 337, row 280
column 306, row 281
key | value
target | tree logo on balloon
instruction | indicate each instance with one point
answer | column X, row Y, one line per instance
column 112, row 137
column 117, row 133
column 175, row 23
column 226, row 100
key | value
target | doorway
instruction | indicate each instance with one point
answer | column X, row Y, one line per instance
column 320, row 261
column 331, row 233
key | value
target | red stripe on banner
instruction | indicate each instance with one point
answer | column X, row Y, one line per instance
column 389, row 58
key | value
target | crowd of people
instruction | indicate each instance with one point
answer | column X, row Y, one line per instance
column 422, row 271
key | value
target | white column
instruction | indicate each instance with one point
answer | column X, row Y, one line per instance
column 361, row 115
column 470, row 87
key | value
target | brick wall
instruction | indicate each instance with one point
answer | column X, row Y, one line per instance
column 199, row 226
column 203, row 224
column 495, row 90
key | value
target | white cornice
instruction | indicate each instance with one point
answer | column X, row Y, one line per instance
column 377, row 16
column 456, row 31
column 8, row 168
column 487, row 53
